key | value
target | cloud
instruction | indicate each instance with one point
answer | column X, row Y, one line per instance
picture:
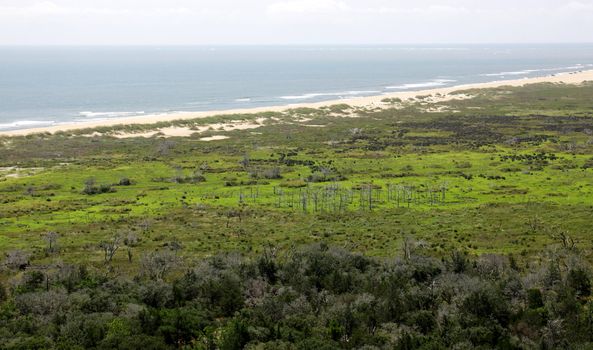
column 307, row 7
column 292, row 21
column 579, row 6
column 51, row 9
column 42, row 8
column 428, row 10
column 304, row 7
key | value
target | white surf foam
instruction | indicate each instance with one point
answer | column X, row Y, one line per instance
column 87, row 120
column 529, row 71
column 90, row 114
column 433, row 83
column 199, row 103
column 342, row 94
column 21, row 124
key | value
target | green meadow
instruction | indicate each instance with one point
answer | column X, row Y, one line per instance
column 507, row 171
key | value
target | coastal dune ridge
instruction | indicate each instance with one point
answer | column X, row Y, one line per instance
column 353, row 99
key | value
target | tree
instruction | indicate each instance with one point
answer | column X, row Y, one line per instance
column 235, row 335
column 145, row 225
column 156, row 265
column 52, row 242
column 130, row 241
column 165, row 147
column 579, row 281
column 245, row 161
column 567, row 242
column 89, row 186
column 175, row 246
column 408, row 247
column 3, row 294
column 459, row 262
column 110, row 248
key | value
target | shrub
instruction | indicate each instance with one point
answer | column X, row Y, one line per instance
column 464, row 165
column 534, row 298
column 125, row 182
column 91, row 188
column 325, row 177
column 588, row 164
column 17, row 259
column 580, row 282
column 266, row 173
column 298, row 183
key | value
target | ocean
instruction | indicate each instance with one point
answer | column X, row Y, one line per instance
column 43, row 86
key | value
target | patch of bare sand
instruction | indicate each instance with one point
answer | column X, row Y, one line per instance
column 16, row 172
column 214, row 138
column 184, row 131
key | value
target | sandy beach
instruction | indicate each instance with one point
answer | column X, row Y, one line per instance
column 576, row 77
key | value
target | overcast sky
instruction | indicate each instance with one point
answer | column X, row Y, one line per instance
column 212, row 22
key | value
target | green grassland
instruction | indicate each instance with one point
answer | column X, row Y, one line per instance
column 507, row 171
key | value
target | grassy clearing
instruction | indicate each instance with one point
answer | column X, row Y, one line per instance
column 506, row 171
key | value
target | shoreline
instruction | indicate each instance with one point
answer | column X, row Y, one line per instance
column 575, row 77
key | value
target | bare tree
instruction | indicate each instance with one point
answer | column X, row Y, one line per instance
column 145, row 225
column 535, row 223
column 552, row 333
column 356, row 133
column 204, row 167
column 52, row 241
column 130, row 241
column 492, row 265
column 164, row 148
column 409, row 245
column 245, row 161
column 110, row 248
column 130, row 254
column 567, row 242
column 175, row 246
column 156, row 265
column 233, row 213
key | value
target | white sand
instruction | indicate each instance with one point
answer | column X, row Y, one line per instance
column 366, row 102
column 181, row 131
column 214, row 138
column 16, row 172
column 166, row 132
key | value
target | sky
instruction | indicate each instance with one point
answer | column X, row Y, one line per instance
column 293, row 22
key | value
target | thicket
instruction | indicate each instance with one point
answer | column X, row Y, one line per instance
column 315, row 297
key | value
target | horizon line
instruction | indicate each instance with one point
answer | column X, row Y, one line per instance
column 296, row 44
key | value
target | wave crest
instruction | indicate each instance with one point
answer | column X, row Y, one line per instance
column 329, row 94
column 26, row 124
column 90, row 114
column 433, row 83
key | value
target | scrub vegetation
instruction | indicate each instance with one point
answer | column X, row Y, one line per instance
column 454, row 224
